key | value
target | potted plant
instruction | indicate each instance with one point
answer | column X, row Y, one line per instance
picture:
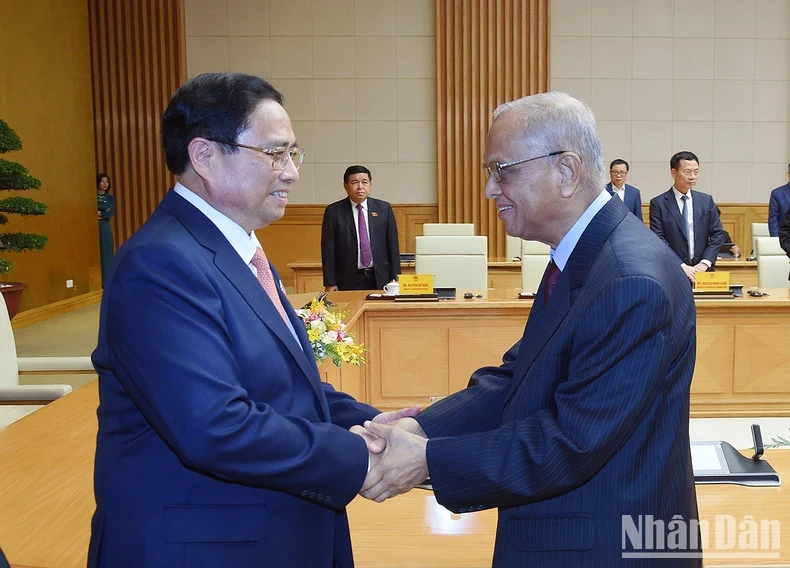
column 14, row 176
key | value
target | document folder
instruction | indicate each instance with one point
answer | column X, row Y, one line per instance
column 719, row 462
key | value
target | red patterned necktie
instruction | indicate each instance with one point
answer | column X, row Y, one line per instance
column 552, row 274
column 266, row 278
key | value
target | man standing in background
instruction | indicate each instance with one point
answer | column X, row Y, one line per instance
column 778, row 206
column 359, row 238
column 618, row 172
column 688, row 221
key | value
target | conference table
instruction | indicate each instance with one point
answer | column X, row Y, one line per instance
column 505, row 273
column 46, row 503
column 421, row 351
column 417, row 352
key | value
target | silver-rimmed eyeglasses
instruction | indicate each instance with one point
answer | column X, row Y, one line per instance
column 494, row 169
column 279, row 155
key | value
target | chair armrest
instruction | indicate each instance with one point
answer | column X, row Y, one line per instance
column 31, row 393
column 55, row 364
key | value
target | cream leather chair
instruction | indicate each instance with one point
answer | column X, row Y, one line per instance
column 448, row 229
column 18, row 400
column 455, row 262
column 534, row 258
column 773, row 265
column 512, row 247
column 758, row 230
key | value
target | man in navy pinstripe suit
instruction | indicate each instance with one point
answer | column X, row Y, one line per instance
column 583, row 430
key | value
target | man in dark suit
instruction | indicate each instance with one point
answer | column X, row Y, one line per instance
column 778, row 206
column 218, row 444
column 688, row 221
column 784, row 234
column 359, row 238
column 618, row 172
column 584, row 428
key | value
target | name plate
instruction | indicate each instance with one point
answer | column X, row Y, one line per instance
column 415, row 284
column 712, row 281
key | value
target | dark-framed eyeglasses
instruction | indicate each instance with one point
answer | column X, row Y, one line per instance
column 279, row 155
column 494, row 169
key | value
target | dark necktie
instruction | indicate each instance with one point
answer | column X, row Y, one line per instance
column 365, row 253
column 552, row 274
column 685, row 214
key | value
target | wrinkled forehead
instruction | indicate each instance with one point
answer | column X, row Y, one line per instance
column 509, row 136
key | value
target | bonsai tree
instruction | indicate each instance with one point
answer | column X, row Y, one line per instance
column 15, row 176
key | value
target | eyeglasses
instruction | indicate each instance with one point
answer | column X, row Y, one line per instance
column 279, row 155
column 618, row 173
column 495, row 168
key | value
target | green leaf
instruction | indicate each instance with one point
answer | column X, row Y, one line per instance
column 20, row 242
column 22, row 206
column 5, row 265
column 9, row 141
column 16, row 176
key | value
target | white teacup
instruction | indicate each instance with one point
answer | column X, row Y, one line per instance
column 392, row 289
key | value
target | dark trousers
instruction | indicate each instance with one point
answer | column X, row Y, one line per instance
column 366, row 279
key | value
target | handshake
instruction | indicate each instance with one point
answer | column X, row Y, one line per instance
column 397, row 451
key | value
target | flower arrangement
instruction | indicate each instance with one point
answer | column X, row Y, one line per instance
column 327, row 333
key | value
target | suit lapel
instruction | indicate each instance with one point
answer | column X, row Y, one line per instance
column 671, row 205
column 544, row 320
column 373, row 226
column 227, row 261
column 700, row 227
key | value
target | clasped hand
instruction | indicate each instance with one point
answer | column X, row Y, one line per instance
column 397, row 449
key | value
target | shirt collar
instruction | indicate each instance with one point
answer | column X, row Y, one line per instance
column 562, row 253
column 242, row 242
column 678, row 195
column 364, row 205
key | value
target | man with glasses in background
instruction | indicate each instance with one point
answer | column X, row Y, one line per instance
column 218, row 443
column 618, row 172
column 687, row 221
column 586, row 422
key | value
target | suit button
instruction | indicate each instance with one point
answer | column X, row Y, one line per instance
column 320, row 496
column 462, row 510
column 327, row 499
column 304, row 492
column 479, row 507
column 312, row 495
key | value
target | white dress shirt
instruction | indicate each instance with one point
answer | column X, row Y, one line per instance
column 690, row 211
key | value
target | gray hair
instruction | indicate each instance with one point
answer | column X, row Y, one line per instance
column 557, row 121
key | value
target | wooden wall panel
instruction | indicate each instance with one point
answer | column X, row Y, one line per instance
column 45, row 96
column 297, row 236
column 487, row 52
column 138, row 54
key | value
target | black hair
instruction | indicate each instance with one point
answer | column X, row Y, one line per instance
column 103, row 175
column 618, row 161
column 351, row 170
column 674, row 162
column 212, row 105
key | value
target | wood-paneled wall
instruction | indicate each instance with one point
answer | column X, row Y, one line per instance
column 45, row 96
column 297, row 236
column 138, row 53
column 487, row 52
